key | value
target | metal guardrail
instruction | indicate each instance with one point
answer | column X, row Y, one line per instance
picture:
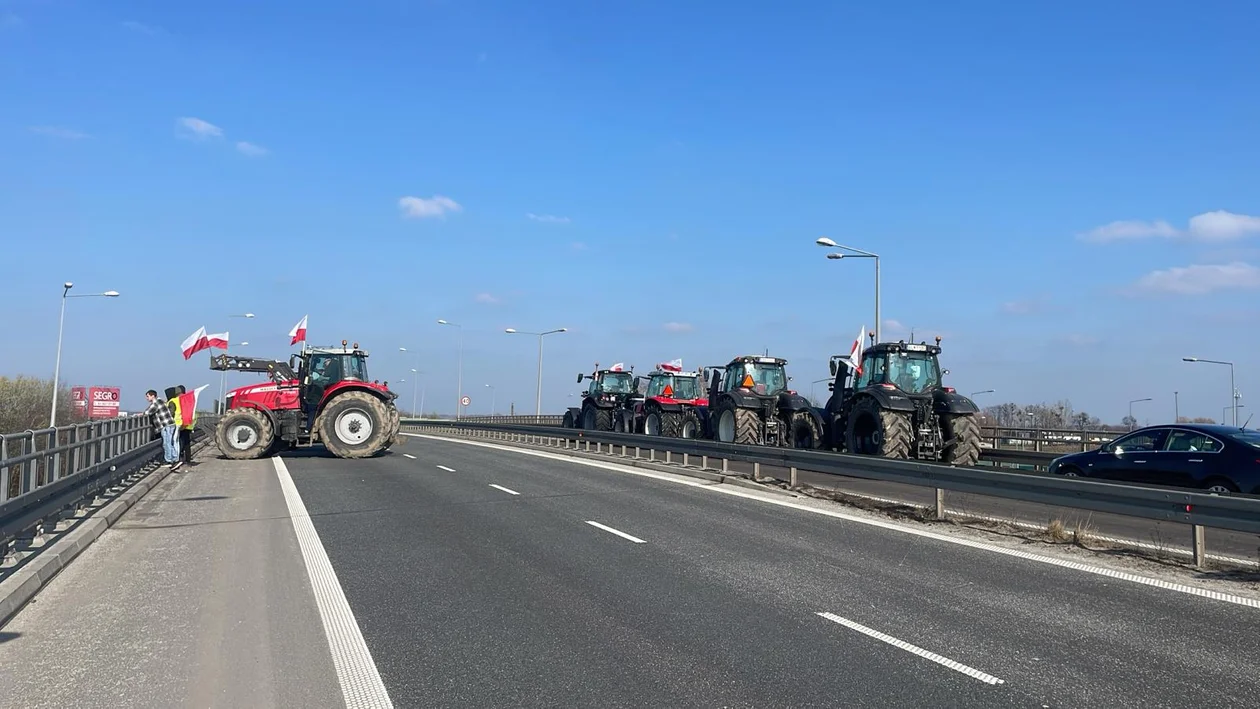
column 1198, row 509
column 49, row 474
column 1032, row 456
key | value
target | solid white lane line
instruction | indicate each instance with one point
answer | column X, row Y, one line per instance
column 938, row 659
column 408, row 455
column 361, row 684
column 892, row 526
column 443, row 467
column 500, row 487
column 623, row 535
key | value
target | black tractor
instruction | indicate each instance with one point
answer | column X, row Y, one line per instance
column 609, row 393
column 750, row 403
column 897, row 406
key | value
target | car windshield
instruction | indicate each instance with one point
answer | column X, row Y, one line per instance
column 1250, row 436
column 767, row 377
column 618, row 383
column 683, row 387
column 913, row 372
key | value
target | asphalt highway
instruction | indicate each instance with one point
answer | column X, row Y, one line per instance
column 482, row 577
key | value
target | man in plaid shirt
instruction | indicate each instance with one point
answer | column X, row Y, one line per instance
column 165, row 421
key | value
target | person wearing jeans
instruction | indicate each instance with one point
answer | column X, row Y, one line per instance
column 165, row 421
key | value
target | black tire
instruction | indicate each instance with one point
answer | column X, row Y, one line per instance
column 568, row 421
column 963, row 432
column 689, row 425
column 653, row 423
column 671, row 424
column 244, row 434
column 355, row 424
column 736, row 425
column 1225, row 486
column 806, row 432
column 597, row 419
column 873, row 430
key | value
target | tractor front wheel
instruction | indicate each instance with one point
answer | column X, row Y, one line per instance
column 875, row 431
column 689, row 425
column 597, row 419
column 736, row 425
column 244, row 434
column 355, row 425
column 806, row 433
column 963, row 433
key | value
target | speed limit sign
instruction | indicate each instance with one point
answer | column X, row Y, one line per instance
column 465, row 401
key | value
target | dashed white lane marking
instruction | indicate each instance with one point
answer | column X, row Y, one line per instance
column 500, row 487
column 408, row 455
column 443, row 467
column 621, row 534
column 361, row 684
column 938, row 659
column 893, row 526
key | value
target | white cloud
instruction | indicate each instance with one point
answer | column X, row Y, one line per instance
column 250, row 149
column 895, row 325
column 1223, row 226
column 548, row 219
column 677, row 327
column 1207, row 227
column 56, row 132
column 486, row 298
column 141, row 27
column 421, row 208
column 197, row 129
column 1200, row 279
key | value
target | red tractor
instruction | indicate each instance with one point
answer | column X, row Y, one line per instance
column 321, row 395
column 671, row 405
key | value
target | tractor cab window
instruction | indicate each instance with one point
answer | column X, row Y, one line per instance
column 656, row 385
column 681, row 387
column 618, row 383
column 765, row 378
column 873, row 369
column 328, row 369
column 913, row 372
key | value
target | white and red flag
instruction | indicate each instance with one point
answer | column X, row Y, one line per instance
column 617, row 367
column 671, row 366
column 298, row 333
column 217, row 341
column 188, row 405
column 855, row 353
column 195, row 343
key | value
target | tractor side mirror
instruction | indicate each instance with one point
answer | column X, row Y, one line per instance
column 580, row 378
column 832, row 364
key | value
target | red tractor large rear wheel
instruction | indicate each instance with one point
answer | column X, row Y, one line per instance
column 356, row 425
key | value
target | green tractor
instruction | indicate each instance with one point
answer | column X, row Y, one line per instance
column 897, row 406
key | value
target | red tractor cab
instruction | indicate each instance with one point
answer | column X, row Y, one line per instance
column 673, row 404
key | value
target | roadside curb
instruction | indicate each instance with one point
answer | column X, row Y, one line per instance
column 690, row 471
column 22, row 586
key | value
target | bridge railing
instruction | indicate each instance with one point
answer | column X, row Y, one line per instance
column 1199, row 510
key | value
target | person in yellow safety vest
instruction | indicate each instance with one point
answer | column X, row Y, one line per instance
column 172, row 403
column 185, row 430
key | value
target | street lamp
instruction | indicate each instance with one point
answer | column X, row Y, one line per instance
column 1233, row 392
column 493, row 395
column 459, row 380
column 1227, row 408
column 415, row 382
column 223, row 374
column 538, row 394
column 1132, row 420
column 985, row 391
column 815, row 383
column 61, row 327
column 857, row 253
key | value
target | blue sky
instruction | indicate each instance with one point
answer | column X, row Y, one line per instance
column 1066, row 192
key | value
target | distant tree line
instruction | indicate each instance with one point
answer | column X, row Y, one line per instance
column 1059, row 415
column 25, row 404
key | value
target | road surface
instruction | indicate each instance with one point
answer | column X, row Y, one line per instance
column 479, row 577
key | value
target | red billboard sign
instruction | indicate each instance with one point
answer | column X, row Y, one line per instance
column 103, row 402
column 78, row 395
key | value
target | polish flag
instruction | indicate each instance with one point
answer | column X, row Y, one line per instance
column 188, row 405
column 855, row 353
column 617, row 367
column 671, row 366
column 218, row 340
column 195, row 343
column 298, row 333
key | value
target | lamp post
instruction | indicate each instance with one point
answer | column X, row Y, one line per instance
column 857, row 253
column 538, row 394
column 1233, row 392
column 415, row 382
column 459, row 379
column 983, row 391
column 415, row 370
column 223, row 374
column 1227, row 408
column 1133, row 421
column 493, row 397
column 61, row 328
